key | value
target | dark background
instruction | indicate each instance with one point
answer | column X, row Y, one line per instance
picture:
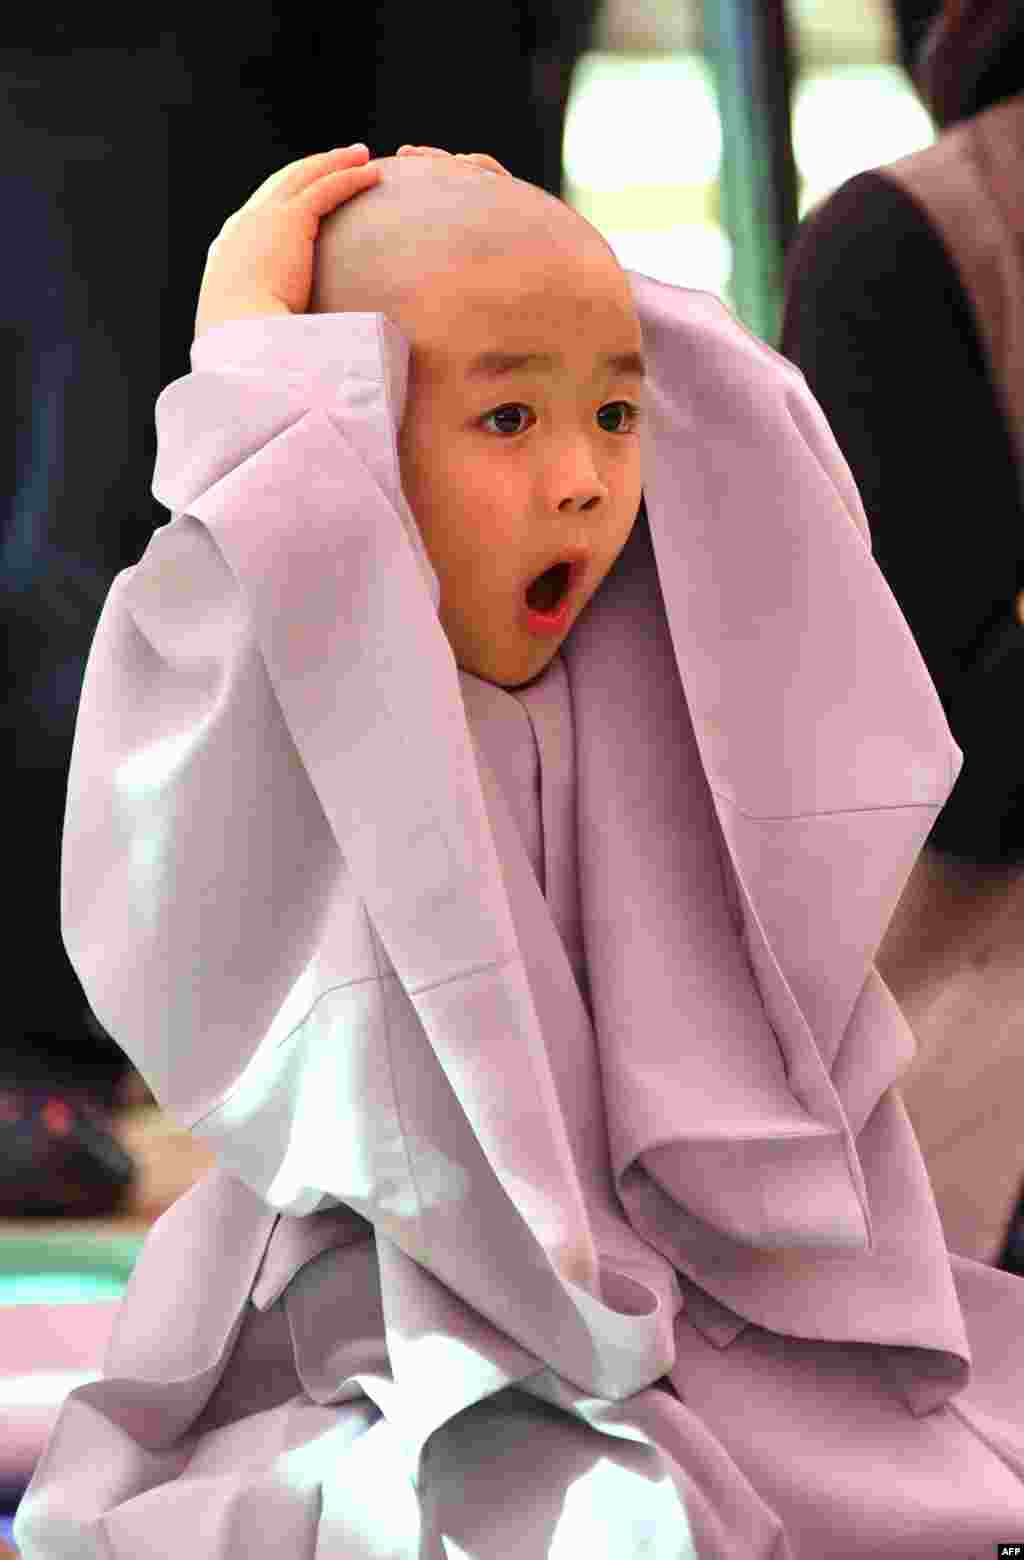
column 121, row 156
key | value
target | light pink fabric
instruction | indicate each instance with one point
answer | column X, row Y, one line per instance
column 537, row 1034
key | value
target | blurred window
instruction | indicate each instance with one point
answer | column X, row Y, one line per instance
column 642, row 150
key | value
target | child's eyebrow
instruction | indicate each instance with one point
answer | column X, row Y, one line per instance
column 493, row 365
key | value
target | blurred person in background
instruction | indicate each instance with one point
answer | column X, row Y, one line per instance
column 905, row 311
column 912, row 19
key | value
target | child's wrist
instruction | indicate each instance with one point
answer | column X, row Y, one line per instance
column 218, row 311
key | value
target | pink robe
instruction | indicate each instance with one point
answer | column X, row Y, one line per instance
column 566, row 1201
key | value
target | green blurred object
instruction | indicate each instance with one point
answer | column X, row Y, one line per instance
column 69, row 1269
column 747, row 46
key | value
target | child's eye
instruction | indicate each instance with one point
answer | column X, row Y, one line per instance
column 512, row 407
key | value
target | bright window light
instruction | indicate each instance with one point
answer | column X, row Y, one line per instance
column 668, row 104
column 849, row 118
column 648, row 192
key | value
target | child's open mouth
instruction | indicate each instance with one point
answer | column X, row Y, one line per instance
column 549, row 589
column 550, row 595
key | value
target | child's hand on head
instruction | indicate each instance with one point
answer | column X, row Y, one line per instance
column 261, row 262
column 478, row 159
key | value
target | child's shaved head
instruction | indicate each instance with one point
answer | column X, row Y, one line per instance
column 476, row 269
column 427, row 215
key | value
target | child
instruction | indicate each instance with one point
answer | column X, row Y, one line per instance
column 518, row 968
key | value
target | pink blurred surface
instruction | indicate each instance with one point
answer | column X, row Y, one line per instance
column 36, row 1342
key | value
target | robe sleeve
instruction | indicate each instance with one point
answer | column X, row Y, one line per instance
column 198, row 866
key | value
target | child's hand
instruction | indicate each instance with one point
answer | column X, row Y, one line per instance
column 261, row 262
column 479, row 159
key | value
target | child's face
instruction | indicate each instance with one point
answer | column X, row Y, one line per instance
column 498, row 498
